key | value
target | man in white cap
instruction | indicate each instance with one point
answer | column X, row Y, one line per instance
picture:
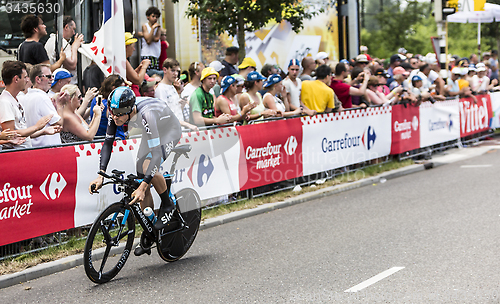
column 60, row 78
column 480, row 82
column 321, row 58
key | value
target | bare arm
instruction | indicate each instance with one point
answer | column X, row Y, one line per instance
column 137, row 76
column 70, row 62
column 28, row 131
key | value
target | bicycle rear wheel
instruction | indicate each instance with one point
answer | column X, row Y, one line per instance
column 117, row 236
column 174, row 244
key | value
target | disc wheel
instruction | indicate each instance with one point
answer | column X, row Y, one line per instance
column 174, row 242
column 109, row 243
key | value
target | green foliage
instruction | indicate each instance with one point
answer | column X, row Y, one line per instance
column 411, row 25
column 235, row 17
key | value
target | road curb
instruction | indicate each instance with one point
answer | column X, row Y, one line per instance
column 48, row 268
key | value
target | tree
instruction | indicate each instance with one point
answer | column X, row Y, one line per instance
column 236, row 17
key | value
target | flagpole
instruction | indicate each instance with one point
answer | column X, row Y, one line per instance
column 479, row 38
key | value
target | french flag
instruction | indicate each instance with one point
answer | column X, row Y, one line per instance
column 107, row 48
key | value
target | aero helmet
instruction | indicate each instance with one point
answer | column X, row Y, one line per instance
column 122, row 101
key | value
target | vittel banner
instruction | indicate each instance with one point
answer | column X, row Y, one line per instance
column 37, row 193
column 270, row 152
column 339, row 139
column 475, row 117
column 405, row 128
column 439, row 122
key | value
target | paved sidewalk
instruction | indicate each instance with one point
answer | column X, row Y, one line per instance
column 447, row 157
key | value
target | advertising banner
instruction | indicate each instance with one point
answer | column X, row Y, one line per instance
column 270, row 152
column 339, row 139
column 37, row 194
column 495, row 107
column 211, row 168
column 405, row 128
column 475, row 117
column 439, row 122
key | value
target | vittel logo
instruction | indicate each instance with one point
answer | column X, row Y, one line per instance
column 291, row 145
column 473, row 116
column 54, row 181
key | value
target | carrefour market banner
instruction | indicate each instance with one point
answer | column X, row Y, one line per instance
column 335, row 140
column 439, row 122
column 37, row 193
column 405, row 128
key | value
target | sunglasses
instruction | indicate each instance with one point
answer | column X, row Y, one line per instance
column 47, row 76
column 121, row 111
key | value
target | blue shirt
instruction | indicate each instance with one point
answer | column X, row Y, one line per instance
column 103, row 125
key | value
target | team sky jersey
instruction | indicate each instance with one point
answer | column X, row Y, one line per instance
column 161, row 131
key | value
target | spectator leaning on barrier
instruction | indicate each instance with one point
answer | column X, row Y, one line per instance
column 37, row 104
column 108, row 85
column 71, row 50
column 247, row 65
column 317, row 95
column 12, row 114
column 293, row 86
column 308, row 67
column 230, row 62
column 343, row 90
column 480, row 83
column 75, row 128
column 202, row 102
column 167, row 91
column 226, row 102
column 253, row 84
column 382, row 77
column 32, row 50
column 270, row 100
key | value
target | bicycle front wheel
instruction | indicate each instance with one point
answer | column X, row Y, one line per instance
column 109, row 243
column 174, row 244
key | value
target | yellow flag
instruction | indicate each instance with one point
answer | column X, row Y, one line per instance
column 479, row 5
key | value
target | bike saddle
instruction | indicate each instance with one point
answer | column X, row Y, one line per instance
column 182, row 149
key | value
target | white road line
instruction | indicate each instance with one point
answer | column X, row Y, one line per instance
column 374, row 279
column 476, row 166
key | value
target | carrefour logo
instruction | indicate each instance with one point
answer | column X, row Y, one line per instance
column 441, row 124
column 367, row 139
column 291, row 145
column 56, row 182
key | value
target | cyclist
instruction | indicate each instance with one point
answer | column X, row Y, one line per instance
column 161, row 131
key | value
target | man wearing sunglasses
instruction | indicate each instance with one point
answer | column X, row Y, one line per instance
column 38, row 103
column 161, row 131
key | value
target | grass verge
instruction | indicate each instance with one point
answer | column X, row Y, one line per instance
column 76, row 245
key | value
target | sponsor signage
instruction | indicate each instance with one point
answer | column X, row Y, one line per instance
column 405, row 129
column 270, row 152
column 495, row 107
column 475, row 117
column 37, row 193
column 439, row 122
column 335, row 140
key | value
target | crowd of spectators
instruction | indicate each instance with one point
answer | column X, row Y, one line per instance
column 43, row 105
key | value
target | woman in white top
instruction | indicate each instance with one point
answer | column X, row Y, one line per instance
column 74, row 126
column 271, row 101
column 254, row 84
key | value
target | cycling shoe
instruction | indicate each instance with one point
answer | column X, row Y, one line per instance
column 165, row 215
column 140, row 251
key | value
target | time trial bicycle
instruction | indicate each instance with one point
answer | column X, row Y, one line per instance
column 115, row 226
